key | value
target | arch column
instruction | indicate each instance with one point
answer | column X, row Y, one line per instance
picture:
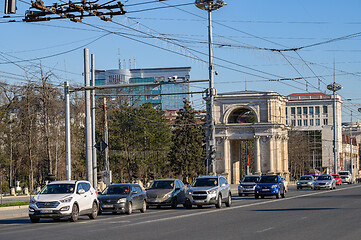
column 271, row 154
column 257, row 155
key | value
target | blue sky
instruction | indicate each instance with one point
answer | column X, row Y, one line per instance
column 243, row 31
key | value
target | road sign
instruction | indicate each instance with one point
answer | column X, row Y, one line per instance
column 101, row 145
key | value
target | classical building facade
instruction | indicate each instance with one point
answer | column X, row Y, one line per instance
column 258, row 118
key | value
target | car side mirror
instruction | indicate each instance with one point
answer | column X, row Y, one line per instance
column 240, row 181
column 81, row 191
column 99, row 193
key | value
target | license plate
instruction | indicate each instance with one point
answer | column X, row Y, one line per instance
column 265, row 190
column 46, row 211
column 198, row 201
column 107, row 206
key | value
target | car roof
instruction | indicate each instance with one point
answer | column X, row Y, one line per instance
column 208, row 176
column 63, row 182
column 252, row 176
column 166, row 179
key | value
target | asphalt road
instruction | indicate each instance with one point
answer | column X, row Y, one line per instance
column 303, row 214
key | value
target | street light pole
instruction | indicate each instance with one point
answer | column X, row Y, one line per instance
column 209, row 6
column 334, row 87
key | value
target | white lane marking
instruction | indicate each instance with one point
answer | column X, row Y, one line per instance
column 232, row 208
column 264, row 230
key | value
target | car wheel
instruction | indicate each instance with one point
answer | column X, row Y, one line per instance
column 144, row 207
column 256, row 196
column 94, row 213
column 174, row 203
column 229, row 200
column 219, row 201
column 129, row 208
column 74, row 214
column 34, row 219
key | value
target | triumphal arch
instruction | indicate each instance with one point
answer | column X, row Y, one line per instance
column 251, row 131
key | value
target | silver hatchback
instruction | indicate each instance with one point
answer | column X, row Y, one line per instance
column 209, row 190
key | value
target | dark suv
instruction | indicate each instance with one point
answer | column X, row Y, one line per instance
column 270, row 185
column 208, row 190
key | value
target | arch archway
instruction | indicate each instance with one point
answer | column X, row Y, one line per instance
column 242, row 115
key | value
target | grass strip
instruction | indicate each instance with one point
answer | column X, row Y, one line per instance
column 10, row 204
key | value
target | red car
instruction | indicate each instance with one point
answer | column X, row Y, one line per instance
column 337, row 178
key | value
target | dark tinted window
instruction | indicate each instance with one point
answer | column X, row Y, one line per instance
column 205, row 182
column 58, row 189
column 251, row 179
column 116, row 190
column 306, row 178
column 269, row 179
column 166, row 184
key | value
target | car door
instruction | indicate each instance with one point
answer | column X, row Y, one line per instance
column 135, row 198
column 224, row 187
column 81, row 198
column 182, row 192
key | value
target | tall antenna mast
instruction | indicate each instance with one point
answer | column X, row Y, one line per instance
column 119, row 62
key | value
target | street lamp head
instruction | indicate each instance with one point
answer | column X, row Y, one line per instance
column 334, row 87
column 209, row 5
column 359, row 109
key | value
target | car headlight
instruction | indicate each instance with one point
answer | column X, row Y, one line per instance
column 189, row 192
column 328, row 183
column 168, row 195
column 66, row 200
column 32, row 201
column 122, row 200
column 274, row 186
column 298, row 183
column 212, row 192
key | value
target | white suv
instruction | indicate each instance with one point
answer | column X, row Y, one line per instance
column 64, row 199
column 346, row 177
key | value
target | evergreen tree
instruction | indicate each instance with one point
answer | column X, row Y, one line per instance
column 187, row 152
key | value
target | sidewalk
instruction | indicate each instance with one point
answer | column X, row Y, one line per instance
column 13, row 212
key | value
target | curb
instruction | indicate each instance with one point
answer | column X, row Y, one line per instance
column 13, row 207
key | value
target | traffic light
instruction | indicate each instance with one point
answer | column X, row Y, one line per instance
column 10, row 6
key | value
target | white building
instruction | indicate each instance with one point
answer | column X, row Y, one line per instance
column 313, row 112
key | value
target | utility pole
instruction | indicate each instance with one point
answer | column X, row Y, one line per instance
column 351, row 152
column 334, row 87
column 94, row 150
column 209, row 6
column 67, row 131
column 106, row 151
column 88, row 133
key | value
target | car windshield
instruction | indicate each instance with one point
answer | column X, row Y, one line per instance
column 205, row 182
column 269, row 179
column 324, row 178
column 58, row 189
column 343, row 173
column 251, row 179
column 305, row 178
column 168, row 184
column 336, row 176
column 116, row 190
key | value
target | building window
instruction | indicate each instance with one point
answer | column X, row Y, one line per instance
column 317, row 110
column 325, row 121
column 305, row 110
column 317, row 122
column 305, row 122
column 299, row 122
column 293, row 122
column 311, row 122
column 310, row 110
column 299, row 110
column 286, row 111
column 293, row 110
column 325, row 109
